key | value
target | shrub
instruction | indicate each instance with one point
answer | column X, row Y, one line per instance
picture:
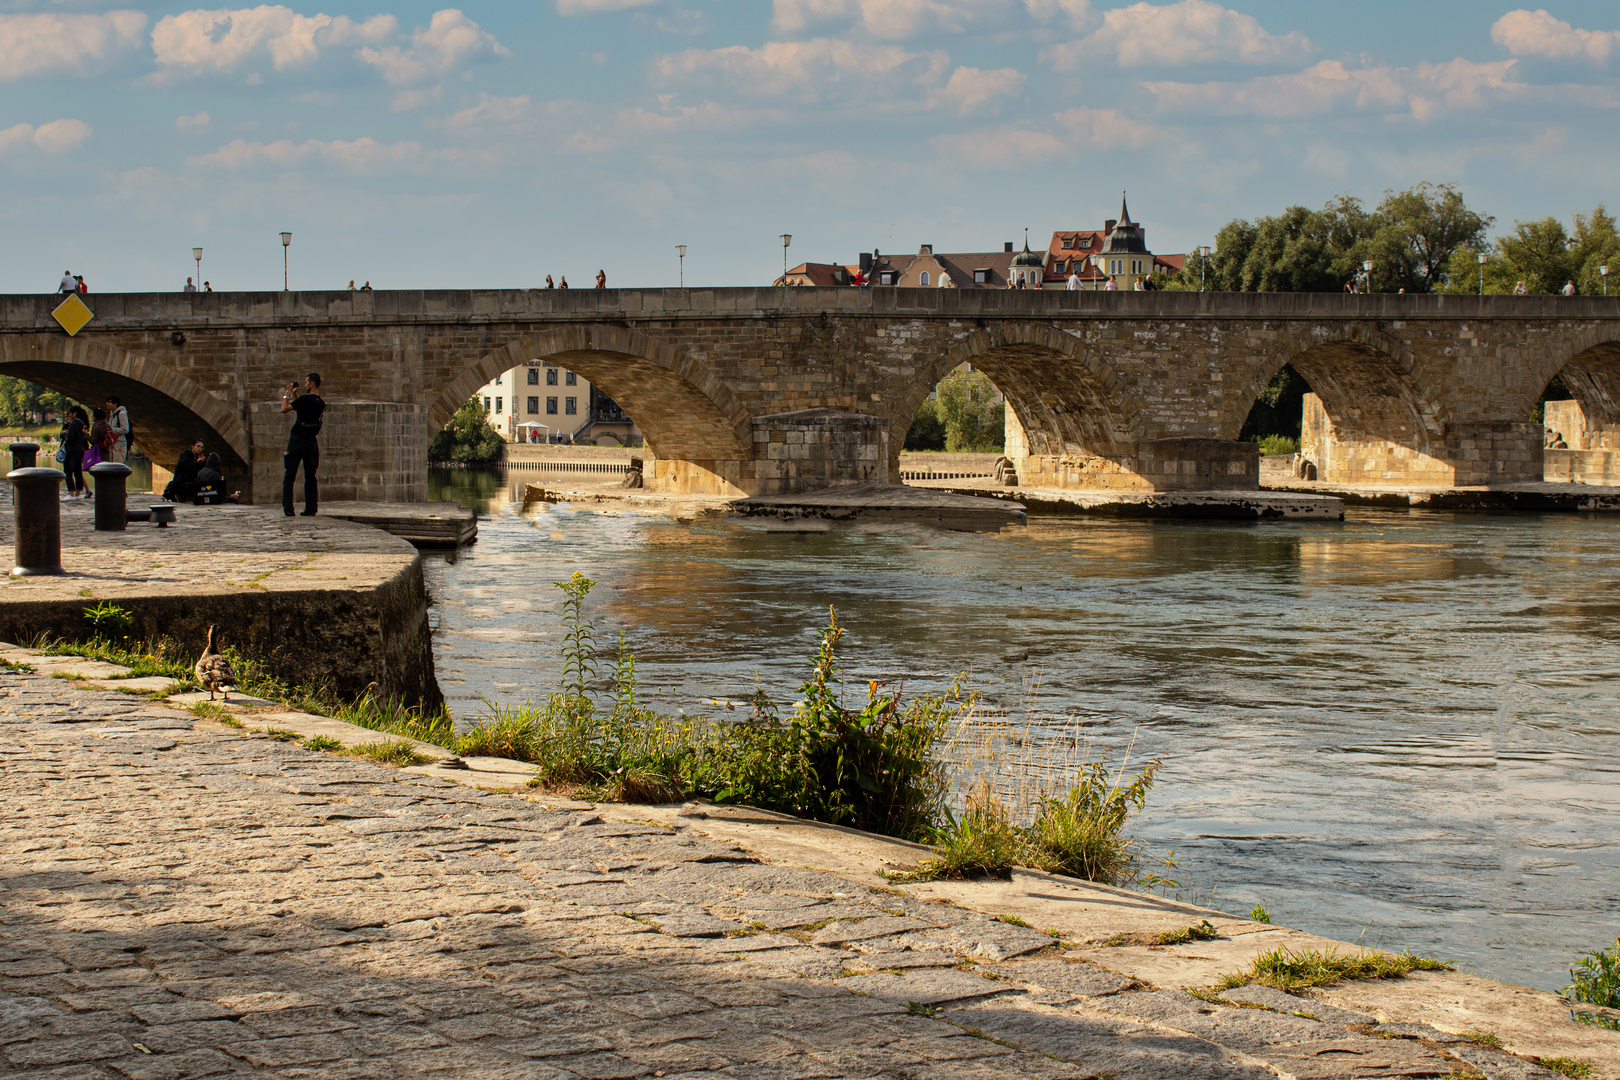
column 1273, row 445
column 468, row 437
column 1289, row 970
column 1595, row 980
column 983, row 842
column 873, row 768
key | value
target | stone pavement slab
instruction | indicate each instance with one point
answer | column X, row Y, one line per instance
column 178, row 898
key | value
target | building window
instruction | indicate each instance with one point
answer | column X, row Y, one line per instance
column 1086, row 243
column 534, row 406
column 551, row 376
column 487, row 403
column 1063, row 266
column 1136, row 266
column 497, row 406
column 922, row 279
column 571, row 379
column 551, row 406
column 534, row 376
column 497, row 380
column 1068, row 243
column 888, row 277
column 571, row 405
column 981, row 277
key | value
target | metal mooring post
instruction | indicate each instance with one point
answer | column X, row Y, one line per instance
column 38, row 523
column 24, row 455
column 111, row 478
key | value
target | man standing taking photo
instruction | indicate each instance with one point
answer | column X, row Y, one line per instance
column 118, row 421
column 301, row 447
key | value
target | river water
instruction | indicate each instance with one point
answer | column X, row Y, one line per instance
column 1401, row 729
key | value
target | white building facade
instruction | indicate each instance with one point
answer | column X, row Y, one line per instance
column 541, row 402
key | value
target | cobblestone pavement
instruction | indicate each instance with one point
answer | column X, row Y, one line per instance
column 179, row 900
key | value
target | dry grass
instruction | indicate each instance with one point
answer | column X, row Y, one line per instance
column 1291, row 971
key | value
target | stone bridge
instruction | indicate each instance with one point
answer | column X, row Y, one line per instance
column 771, row 390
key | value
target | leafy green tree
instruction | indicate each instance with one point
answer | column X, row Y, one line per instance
column 927, row 430
column 972, row 411
column 23, row 402
column 1417, row 233
column 1280, row 408
column 1596, row 243
column 468, row 438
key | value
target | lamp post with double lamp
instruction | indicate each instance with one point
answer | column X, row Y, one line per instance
column 1366, row 269
column 787, row 238
column 286, row 242
column 196, row 253
column 1482, row 258
column 680, row 252
column 1203, row 257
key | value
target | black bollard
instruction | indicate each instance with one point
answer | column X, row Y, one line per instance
column 111, row 478
column 24, row 455
column 38, row 523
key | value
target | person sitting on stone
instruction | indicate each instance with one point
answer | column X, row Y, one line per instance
column 211, row 485
column 184, row 485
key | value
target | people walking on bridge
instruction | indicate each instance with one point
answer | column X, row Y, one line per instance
column 118, row 425
column 301, row 445
column 68, row 283
column 549, row 283
column 75, row 441
column 601, row 279
column 564, row 284
column 1519, row 289
column 1569, row 288
column 1074, row 281
column 79, row 285
column 208, row 286
column 191, row 286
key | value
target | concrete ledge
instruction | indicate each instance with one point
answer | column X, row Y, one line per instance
column 317, row 601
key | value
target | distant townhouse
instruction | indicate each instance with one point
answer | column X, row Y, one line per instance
column 541, row 402
column 1117, row 252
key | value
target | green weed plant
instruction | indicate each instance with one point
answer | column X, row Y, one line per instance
column 1595, row 980
column 1293, row 970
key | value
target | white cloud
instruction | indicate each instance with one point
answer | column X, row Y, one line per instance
column 448, row 42
column 892, row 19
column 365, row 155
column 971, row 90
column 598, row 7
column 1330, row 87
column 808, row 70
column 53, row 138
column 1001, row 148
column 200, row 122
column 226, row 40
column 1174, row 35
column 1106, row 129
column 1077, row 13
column 1536, row 33
column 706, row 117
column 75, row 44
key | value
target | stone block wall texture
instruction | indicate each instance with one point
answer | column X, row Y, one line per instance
column 1566, row 420
column 1418, row 386
column 1583, row 467
column 819, row 449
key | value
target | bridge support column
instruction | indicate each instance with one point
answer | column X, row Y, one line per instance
column 1472, row 455
column 371, row 451
column 811, row 450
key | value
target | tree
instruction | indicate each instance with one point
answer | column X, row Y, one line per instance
column 972, row 410
column 468, row 438
column 1538, row 254
column 23, row 402
column 1418, row 232
column 1596, row 243
column 927, row 431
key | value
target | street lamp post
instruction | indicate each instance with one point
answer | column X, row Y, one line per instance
column 1203, row 257
column 787, row 238
column 680, row 251
column 1604, row 272
column 1482, row 257
column 286, row 242
column 1366, row 269
column 196, row 253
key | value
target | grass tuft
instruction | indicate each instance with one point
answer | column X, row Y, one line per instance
column 281, row 734
column 389, row 752
column 917, row 1008
column 1290, row 971
column 1485, row 1038
column 1574, row 1068
column 1202, row 932
column 321, row 742
column 1595, row 980
column 1258, row 913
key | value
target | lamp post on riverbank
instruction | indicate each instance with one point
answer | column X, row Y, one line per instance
column 1366, row 268
column 680, row 252
column 196, row 253
column 1203, row 257
column 286, row 242
column 1603, row 271
column 787, row 238
column 1482, row 258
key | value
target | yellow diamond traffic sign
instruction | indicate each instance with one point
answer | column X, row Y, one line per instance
column 72, row 314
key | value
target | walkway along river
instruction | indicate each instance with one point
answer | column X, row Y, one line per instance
column 1401, row 729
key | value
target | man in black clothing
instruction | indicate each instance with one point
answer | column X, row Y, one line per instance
column 301, row 446
column 184, row 484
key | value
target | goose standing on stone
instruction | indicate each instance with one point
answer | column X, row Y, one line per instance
column 213, row 670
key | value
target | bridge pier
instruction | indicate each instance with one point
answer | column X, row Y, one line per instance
column 1472, row 454
column 371, row 451
column 808, row 450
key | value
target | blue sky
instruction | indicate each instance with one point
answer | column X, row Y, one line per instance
column 420, row 146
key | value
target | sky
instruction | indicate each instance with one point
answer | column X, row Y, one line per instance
column 419, row 146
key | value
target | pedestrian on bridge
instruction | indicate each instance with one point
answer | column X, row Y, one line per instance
column 118, row 424
column 301, row 446
column 68, row 284
column 191, row 286
column 601, row 279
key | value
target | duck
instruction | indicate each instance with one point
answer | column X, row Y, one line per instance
column 213, row 670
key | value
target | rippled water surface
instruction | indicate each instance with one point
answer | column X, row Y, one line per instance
column 1401, row 729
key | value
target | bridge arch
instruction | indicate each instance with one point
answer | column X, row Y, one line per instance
column 1068, row 401
column 683, row 409
column 1591, row 370
column 1369, row 383
column 168, row 409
